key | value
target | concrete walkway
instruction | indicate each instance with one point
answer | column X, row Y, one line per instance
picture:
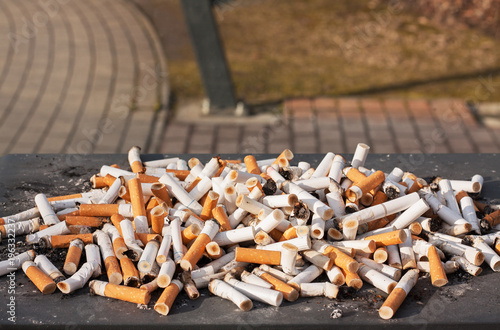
column 79, row 77
column 336, row 124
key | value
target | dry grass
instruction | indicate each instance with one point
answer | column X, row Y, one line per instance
column 281, row 48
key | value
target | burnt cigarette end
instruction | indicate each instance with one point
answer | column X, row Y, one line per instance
column 434, row 225
column 286, row 174
column 132, row 255
column 484, row 226
column 336, row 314
column 269, row 188
column 391, row 193
column 350, row 209
column 301, row 211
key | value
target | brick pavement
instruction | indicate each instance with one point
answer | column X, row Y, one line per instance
column 79, row 77
column 323, row 124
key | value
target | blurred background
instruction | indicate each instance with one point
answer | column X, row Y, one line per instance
column 313, row 76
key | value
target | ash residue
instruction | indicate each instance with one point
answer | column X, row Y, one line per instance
column 286, row 174
column 74, row 171
column 370, row 299
column 269, row 188
column 391, row 193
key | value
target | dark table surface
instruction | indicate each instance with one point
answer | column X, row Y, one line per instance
column 463, row 303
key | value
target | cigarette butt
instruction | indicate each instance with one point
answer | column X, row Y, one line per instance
column 84, row 221
column 335, row 234
column 134, row 159
column 151, row 286
column 73, row 256
column 287, row 154
column 209, row 204
column 289, row 292
column 438, row 275
column 493, row 218
column 158, row 219
column 380, row 255
column 120, row 292
column 41, row 280
column 354, row 175
column 109, row 180
column 189, row 286
column 124, row 194
column 113, row 270
column 356, row 191
column 379, row 223
column 390, row 238
column 197, row 249
column 98, row 182
column 145, row 238
column 251, row 164
column 467, row 266
column 61, row 198
column 213, row 250
column 160, row 191
column 252, row 183
column 167, row 298
column 220, row 215
column 130, row 272
column 398, row 295
column 224, row 290
column 136, row 197
column 341, row 259
column 276, row 235
column 257, row 256
column 166, row 274
column 190, row 233
column 350, row 229
column 352, row 279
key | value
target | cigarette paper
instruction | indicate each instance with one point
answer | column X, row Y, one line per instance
column 470, row 253
column 166, row 274
column 48, row 268
column 161, row 162
column 289, row 292
column 255, row 292
column 469, row 213
column 336, row 276
column 151, row 275
column 196, row 250
column 467, row 266
column 59, row 229
column 235, row 236
column 120, row 292
column 110, row 261
column 151, row 286
column 21, row 227
column 93, row 255
column 212, row 267
column 377, row 279
column 41, row 280
column 166, row 300
column 318, row 207
column 148, row 256
column 359, row 189
column 12, row 264
column 326, row 289
column 411, row 214
column 382, row 210
column 406, row 252
column 367, row 246
column 350, row 228
column 449, row 196
column 78, row 279
column 302, row 243
column 112, row 194
column 181, row 194
column 306, row 276
column 317, row 227
column 224, row 290
column 119, row 246
column 336, row 169
column 255, row 280
column 398, row 294
column 73, row 256
column 219, row 213
column 134, row 159
column 360, row 155
column 336, row 202
column 275, row 201
column 352, row 279
column 127, row 230
column 46, row 211
column 209, row 205
column 490, row 256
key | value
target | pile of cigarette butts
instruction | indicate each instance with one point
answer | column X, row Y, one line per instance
column 260, row 230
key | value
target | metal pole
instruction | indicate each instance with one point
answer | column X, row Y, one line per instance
column 209, row 54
